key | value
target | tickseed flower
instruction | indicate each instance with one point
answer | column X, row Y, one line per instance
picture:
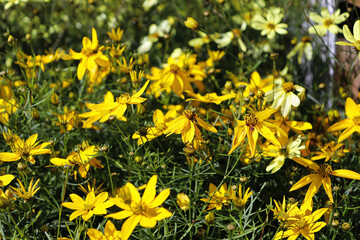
column 289, row 150
column 21, row 192
column 284, row 97
column 331, row 151
column 116, row 35
column 256, row 84
column 320, row 176
column 186, row 125
column 304, row 46
column 91, row 56
column 110, row 233
column 353, row 39
column 209, row 97
column 286, row 125
column 252, row 125
column 300, row 221
column 191, row 23
column 92, row 205
column 238, row 199
column 25, row 150
column 183, row 201
column 145, row 211
column 101, row 112
column 6, row 179
column 352, row 124
column 270, row 25
column 82, row 159
column 327, row 22
column 217, row 197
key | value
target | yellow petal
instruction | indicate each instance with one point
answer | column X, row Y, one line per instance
column 9, row 157
column 6, row 179
column 129, row 225
column 206, row 125
column 351, row 109
column 95, row 42
column 160, row 198
column 313, row 188
column 326, row 182
column 150, row 191
column 304, row 181
column 120, row 215
column 346, row 174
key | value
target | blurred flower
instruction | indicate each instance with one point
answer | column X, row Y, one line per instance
column 353, row 39
column 217, row 197
column 92, row 205
column 91, row 56
column 147, row 4
column 270, row 25
column 252, row 125
column 124, row 66
column 256, row 84
column 186, row 125
column 116, row 35
column 286, row 125
column 110, row 233
column 320, row 176
column 25, row 149
column 304, row 46
column 327, row 22
column 331, row 151
column 154, row 33
column 288, row 150
column 284, row 97
column 209, row 97
column 352, row 124
column 239, row 200
column 183, row 201
column 191, row 23
column 21, row 192
column 145, row 211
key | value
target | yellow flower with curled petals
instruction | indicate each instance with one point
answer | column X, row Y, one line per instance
column 144, row 210
column 91, row 56
column 93, row 205
column 21, row 192
column 320, row 176
column 353, row 39
column 217, row 197
column 239, row 199
column 352, row 124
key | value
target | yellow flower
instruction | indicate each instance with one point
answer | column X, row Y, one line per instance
column 92, row 205
column 353, row 39
column 331, row 151
column 144, row 211
column 288, row 150
column 270, row 25
column 110, row 233
column 191, row 23
column 327, row 22
column 116, row 36
column 304, row 46
column 254, row 124
column 284, row 97
column 301, row 221
column 352, row 124
column 103, row 111
column 320, row 176
column 286, row 125
column 6, row 179
column 256, row 84
column 186, row 125
column 240, row 200
column 217, row 198
column 183, row 201
column 26, row 194
column 209, row 97
column 25, row 150
column 90, row 55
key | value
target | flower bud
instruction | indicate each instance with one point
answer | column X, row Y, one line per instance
column 54, row 99
column 183, row 201
column 210, row 218
column 191, row 23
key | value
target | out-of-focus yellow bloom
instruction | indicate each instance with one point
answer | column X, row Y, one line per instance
column 270, row 25
column 217, row 198
column 210, row 218
column 209, row 97
column 124, row 66
column 24, row 149
column 21, row 192
column 304, row 46
column 7, row 107
column 186, row 125
column 327, row 22
column 191, row 23
column 116, row 35
column 331, row 151
column 320, row 176
column 93, row 205
column 352, row 124
column 183, row 201
column 91, row 56
column 110, row 233
column 353, row 39
column 238, row 199
column 144, row 210
column 256, row 84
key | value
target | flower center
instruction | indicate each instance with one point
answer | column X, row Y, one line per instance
column 271, row 26
column 328, row 22
column 250, row 120
column 190, row 114
column 324, row 170
column 89, row 207
column 301, row 223
column 174, row 68
column 288, row 87
column 356, row 120
column 124, row 98
column 306, row 39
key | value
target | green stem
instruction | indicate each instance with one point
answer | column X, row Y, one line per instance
column 62, row 200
